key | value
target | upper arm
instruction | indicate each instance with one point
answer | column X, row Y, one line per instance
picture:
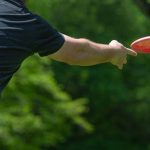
column 46, row 39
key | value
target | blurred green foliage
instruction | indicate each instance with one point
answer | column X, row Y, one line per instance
column 47, row 104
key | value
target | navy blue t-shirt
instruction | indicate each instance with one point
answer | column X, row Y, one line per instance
column 22, row 34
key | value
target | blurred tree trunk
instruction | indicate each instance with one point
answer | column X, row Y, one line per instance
column 144, row 5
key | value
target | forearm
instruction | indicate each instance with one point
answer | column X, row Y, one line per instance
column 91, row 53
column 83, row 52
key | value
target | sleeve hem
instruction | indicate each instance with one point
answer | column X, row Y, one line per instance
column 49, row 51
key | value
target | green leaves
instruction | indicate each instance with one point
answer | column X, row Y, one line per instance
column 35, row 110
column 47, row 104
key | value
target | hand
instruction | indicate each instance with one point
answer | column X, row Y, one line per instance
column 119, row 57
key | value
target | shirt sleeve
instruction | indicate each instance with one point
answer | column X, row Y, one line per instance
column 48, row 39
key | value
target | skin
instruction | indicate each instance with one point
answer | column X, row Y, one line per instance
column 84, row 52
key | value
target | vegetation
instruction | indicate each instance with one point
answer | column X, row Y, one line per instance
column 52, row 106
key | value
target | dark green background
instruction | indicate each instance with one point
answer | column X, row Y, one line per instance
column 52, row 106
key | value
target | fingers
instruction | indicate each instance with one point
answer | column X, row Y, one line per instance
column 125, row 61
column 120, row 67
column 122, row 62
column 131, row 52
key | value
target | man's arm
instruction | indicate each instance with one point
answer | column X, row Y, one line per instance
column 83, row 52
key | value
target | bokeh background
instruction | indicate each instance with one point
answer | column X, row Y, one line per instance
column 53, row 106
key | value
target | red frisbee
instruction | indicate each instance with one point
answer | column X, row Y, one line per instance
column 141, row 45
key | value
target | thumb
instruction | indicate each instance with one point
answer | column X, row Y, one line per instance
column 131, row 52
